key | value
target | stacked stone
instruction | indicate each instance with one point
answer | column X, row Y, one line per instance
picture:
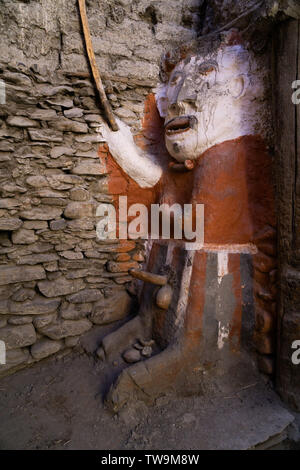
column 56, row 278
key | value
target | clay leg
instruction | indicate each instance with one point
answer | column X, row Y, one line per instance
column 116, row 342
column 146, row 380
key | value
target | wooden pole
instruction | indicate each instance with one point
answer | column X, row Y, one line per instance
column 156, row 279
column 95, row 71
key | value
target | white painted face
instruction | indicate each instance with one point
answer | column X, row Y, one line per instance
column 203, row 102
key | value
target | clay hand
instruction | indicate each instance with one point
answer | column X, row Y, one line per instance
column 136, row 163
column 118, row 138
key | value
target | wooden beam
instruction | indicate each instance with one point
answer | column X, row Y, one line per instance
column 95, row 71
column 149, row 277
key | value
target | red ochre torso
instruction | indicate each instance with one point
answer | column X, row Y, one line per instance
column 234, row 182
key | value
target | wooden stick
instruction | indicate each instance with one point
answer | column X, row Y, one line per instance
column 149, row 277
column 94, row 67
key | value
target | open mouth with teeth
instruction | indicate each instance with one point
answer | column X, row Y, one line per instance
column 180, row 124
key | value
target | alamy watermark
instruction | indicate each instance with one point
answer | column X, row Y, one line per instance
column 2, row 353
column 164, row 222
column 296, row 94
column 2, row 92
column 296, row 354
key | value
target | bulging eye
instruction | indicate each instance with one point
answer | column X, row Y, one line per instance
column 207, row 67
column 175, row 80
column 207, row 71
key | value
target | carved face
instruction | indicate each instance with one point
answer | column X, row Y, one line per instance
column 202, row 101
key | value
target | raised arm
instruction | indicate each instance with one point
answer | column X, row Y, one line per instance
column 136, row 163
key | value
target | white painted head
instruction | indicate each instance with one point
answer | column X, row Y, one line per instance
column 211, row 98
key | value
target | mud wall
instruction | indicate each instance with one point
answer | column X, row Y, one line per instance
column 56, row 279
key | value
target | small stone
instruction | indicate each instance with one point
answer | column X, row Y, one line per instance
column 37, row 259
column 75, row 311
column 122, row 280
column 44, row 348
column 45, row 135
column 19, row 320
column 35, row 225
column 18, row 78
column 37, row 306
column 4, row 307
column 79, row 273
column 93, row 254
column 14, row 188
column 37, row 181
column 86, row 295
column 79, row 194
column 72, row 341
column 124, row 246
column 101, row 354
column 114, row 267
column 90, row 138
column 9, row 203
column 23, row 294
column 18, row 336
column 61, row 286
column 51, row 267
column 66, row 328
column 10, row 224
column 138, row 257
column 93, row 118
column 6, row 147
column 67, row 125
column 41, row 213
column 91, row 154
column 76, row 210
column 146, row 343
column 13, row 274
column 24, row 237
column 56, row 181
column 19, row 121
column 123, row 257
column 123, row 112
column 90, row 168
column 55, row 201
column 43, row 193
column 4, row 157
column 71, row 254
column 63, row 102
column 44, row 320
column 113, row 308
column 59, row 224
column 57, row 152
column 147, row 351
column 73, row 113
column 132, row 355
column 84, row 223
column 44, row 114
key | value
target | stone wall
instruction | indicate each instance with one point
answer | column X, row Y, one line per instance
column 56, row 279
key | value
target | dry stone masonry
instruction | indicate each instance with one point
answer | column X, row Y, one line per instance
column 56, row 279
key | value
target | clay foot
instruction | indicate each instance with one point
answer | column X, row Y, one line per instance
column 115, row 343
column 146, row 380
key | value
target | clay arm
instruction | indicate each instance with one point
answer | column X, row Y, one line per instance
column 136, row 163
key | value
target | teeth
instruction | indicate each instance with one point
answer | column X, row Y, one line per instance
column 178, row 125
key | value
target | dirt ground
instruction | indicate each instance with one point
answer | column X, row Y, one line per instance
column 58, row 404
